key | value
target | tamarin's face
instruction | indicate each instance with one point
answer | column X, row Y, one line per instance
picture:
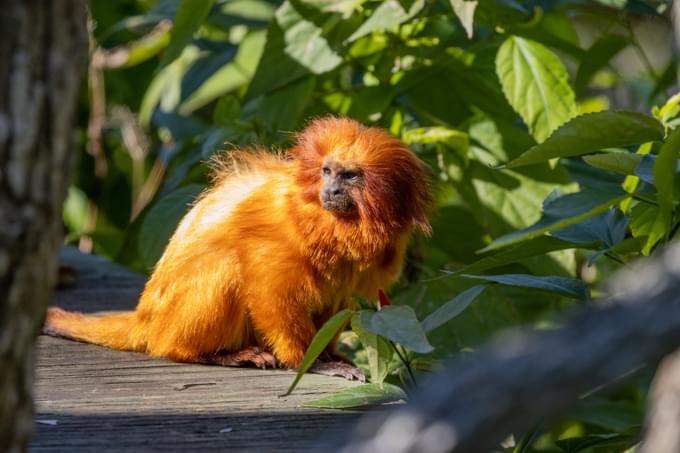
column 338, row 181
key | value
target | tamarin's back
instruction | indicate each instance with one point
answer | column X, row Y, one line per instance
column 274, row 248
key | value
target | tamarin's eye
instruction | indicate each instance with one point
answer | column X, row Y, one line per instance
column 350, row 175
column 326, row 170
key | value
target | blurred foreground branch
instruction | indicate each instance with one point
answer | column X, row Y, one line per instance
column 529, row 376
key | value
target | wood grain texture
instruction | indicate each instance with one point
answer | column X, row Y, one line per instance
column 101, row 399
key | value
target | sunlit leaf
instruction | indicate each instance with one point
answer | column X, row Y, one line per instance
column 189, row 17
column 664, row 175
column 360, row 396
column 647, row 221
column 378, row 350
column 399, row 324
column 536, row 84
column 304, row 41
column 465, row 10
column 322, row 339
column 622, row 163
column 593, row 132
column 388, row 14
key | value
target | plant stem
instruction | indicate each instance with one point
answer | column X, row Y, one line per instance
column 527, row 440
column 404, row 361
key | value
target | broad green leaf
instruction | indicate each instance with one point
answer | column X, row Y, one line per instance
column 399, row 324
column 597, row 57
column 630, row 184
column 534, row 247
column 618, row 416
column 647, row 221
column 608, row 228
column 165, row 88
column 536, row 84
column 305, row 42
column 76, row 210
column 231, row 76
column 162, row 219
column 360, row 396
column 614, row 442
column 322, row 339
column 570, row 287
column 281, row 110
column 135, row 52
column 593, row 132
column 387, row 15
column 623, row 163
column 664, row 175
column 465, row 10
column 669, row 110
column 450, row 138
column 560, row 212
column 452, row 308
column 189, row 17
column 378, row 350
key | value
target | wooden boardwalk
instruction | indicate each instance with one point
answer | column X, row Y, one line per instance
column 89, row 398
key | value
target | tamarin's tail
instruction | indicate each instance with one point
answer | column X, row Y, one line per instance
column 117, row 331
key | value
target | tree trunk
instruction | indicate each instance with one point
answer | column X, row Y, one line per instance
column 42, row 54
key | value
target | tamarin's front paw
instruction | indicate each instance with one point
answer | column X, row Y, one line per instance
column 338, row 368
column 249, row 356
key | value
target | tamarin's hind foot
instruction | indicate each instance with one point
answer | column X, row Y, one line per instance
column 338, row 368
column 249, row 356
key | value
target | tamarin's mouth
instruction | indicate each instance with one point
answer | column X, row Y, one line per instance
column 340, row 206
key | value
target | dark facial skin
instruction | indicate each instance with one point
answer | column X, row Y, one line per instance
column 338, row 182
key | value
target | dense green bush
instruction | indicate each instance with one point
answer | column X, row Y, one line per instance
column 549, row 127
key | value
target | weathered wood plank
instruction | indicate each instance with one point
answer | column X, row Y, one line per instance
column 112, row 400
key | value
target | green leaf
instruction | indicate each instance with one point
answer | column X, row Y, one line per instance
column 623, row 163
column 608, row 228
column 399, row 324
column 536, row 84
column 322, row 338
column 664, row 175
column 615, row 442
column 647, row 221
column 231, row 76
column 597, row 57
column 135, row 52
column 450, row 138
column 281, row 110
column 304, row 41
column 593, row 132
column 190, row 16
column 537, row 246
column 559, row 212
column 76, row 211
column 570, row 287
column 360, row 396
column 465, row 10
column 161, row 220
column 389, row 14
column 618, row 416
column 378, row 350
column 452, row 308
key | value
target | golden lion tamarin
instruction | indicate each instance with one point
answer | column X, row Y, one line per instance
column 275, row 247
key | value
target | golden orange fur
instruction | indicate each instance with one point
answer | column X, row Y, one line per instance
column 258, row 261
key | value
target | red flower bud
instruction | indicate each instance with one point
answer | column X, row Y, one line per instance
column 382, row 299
